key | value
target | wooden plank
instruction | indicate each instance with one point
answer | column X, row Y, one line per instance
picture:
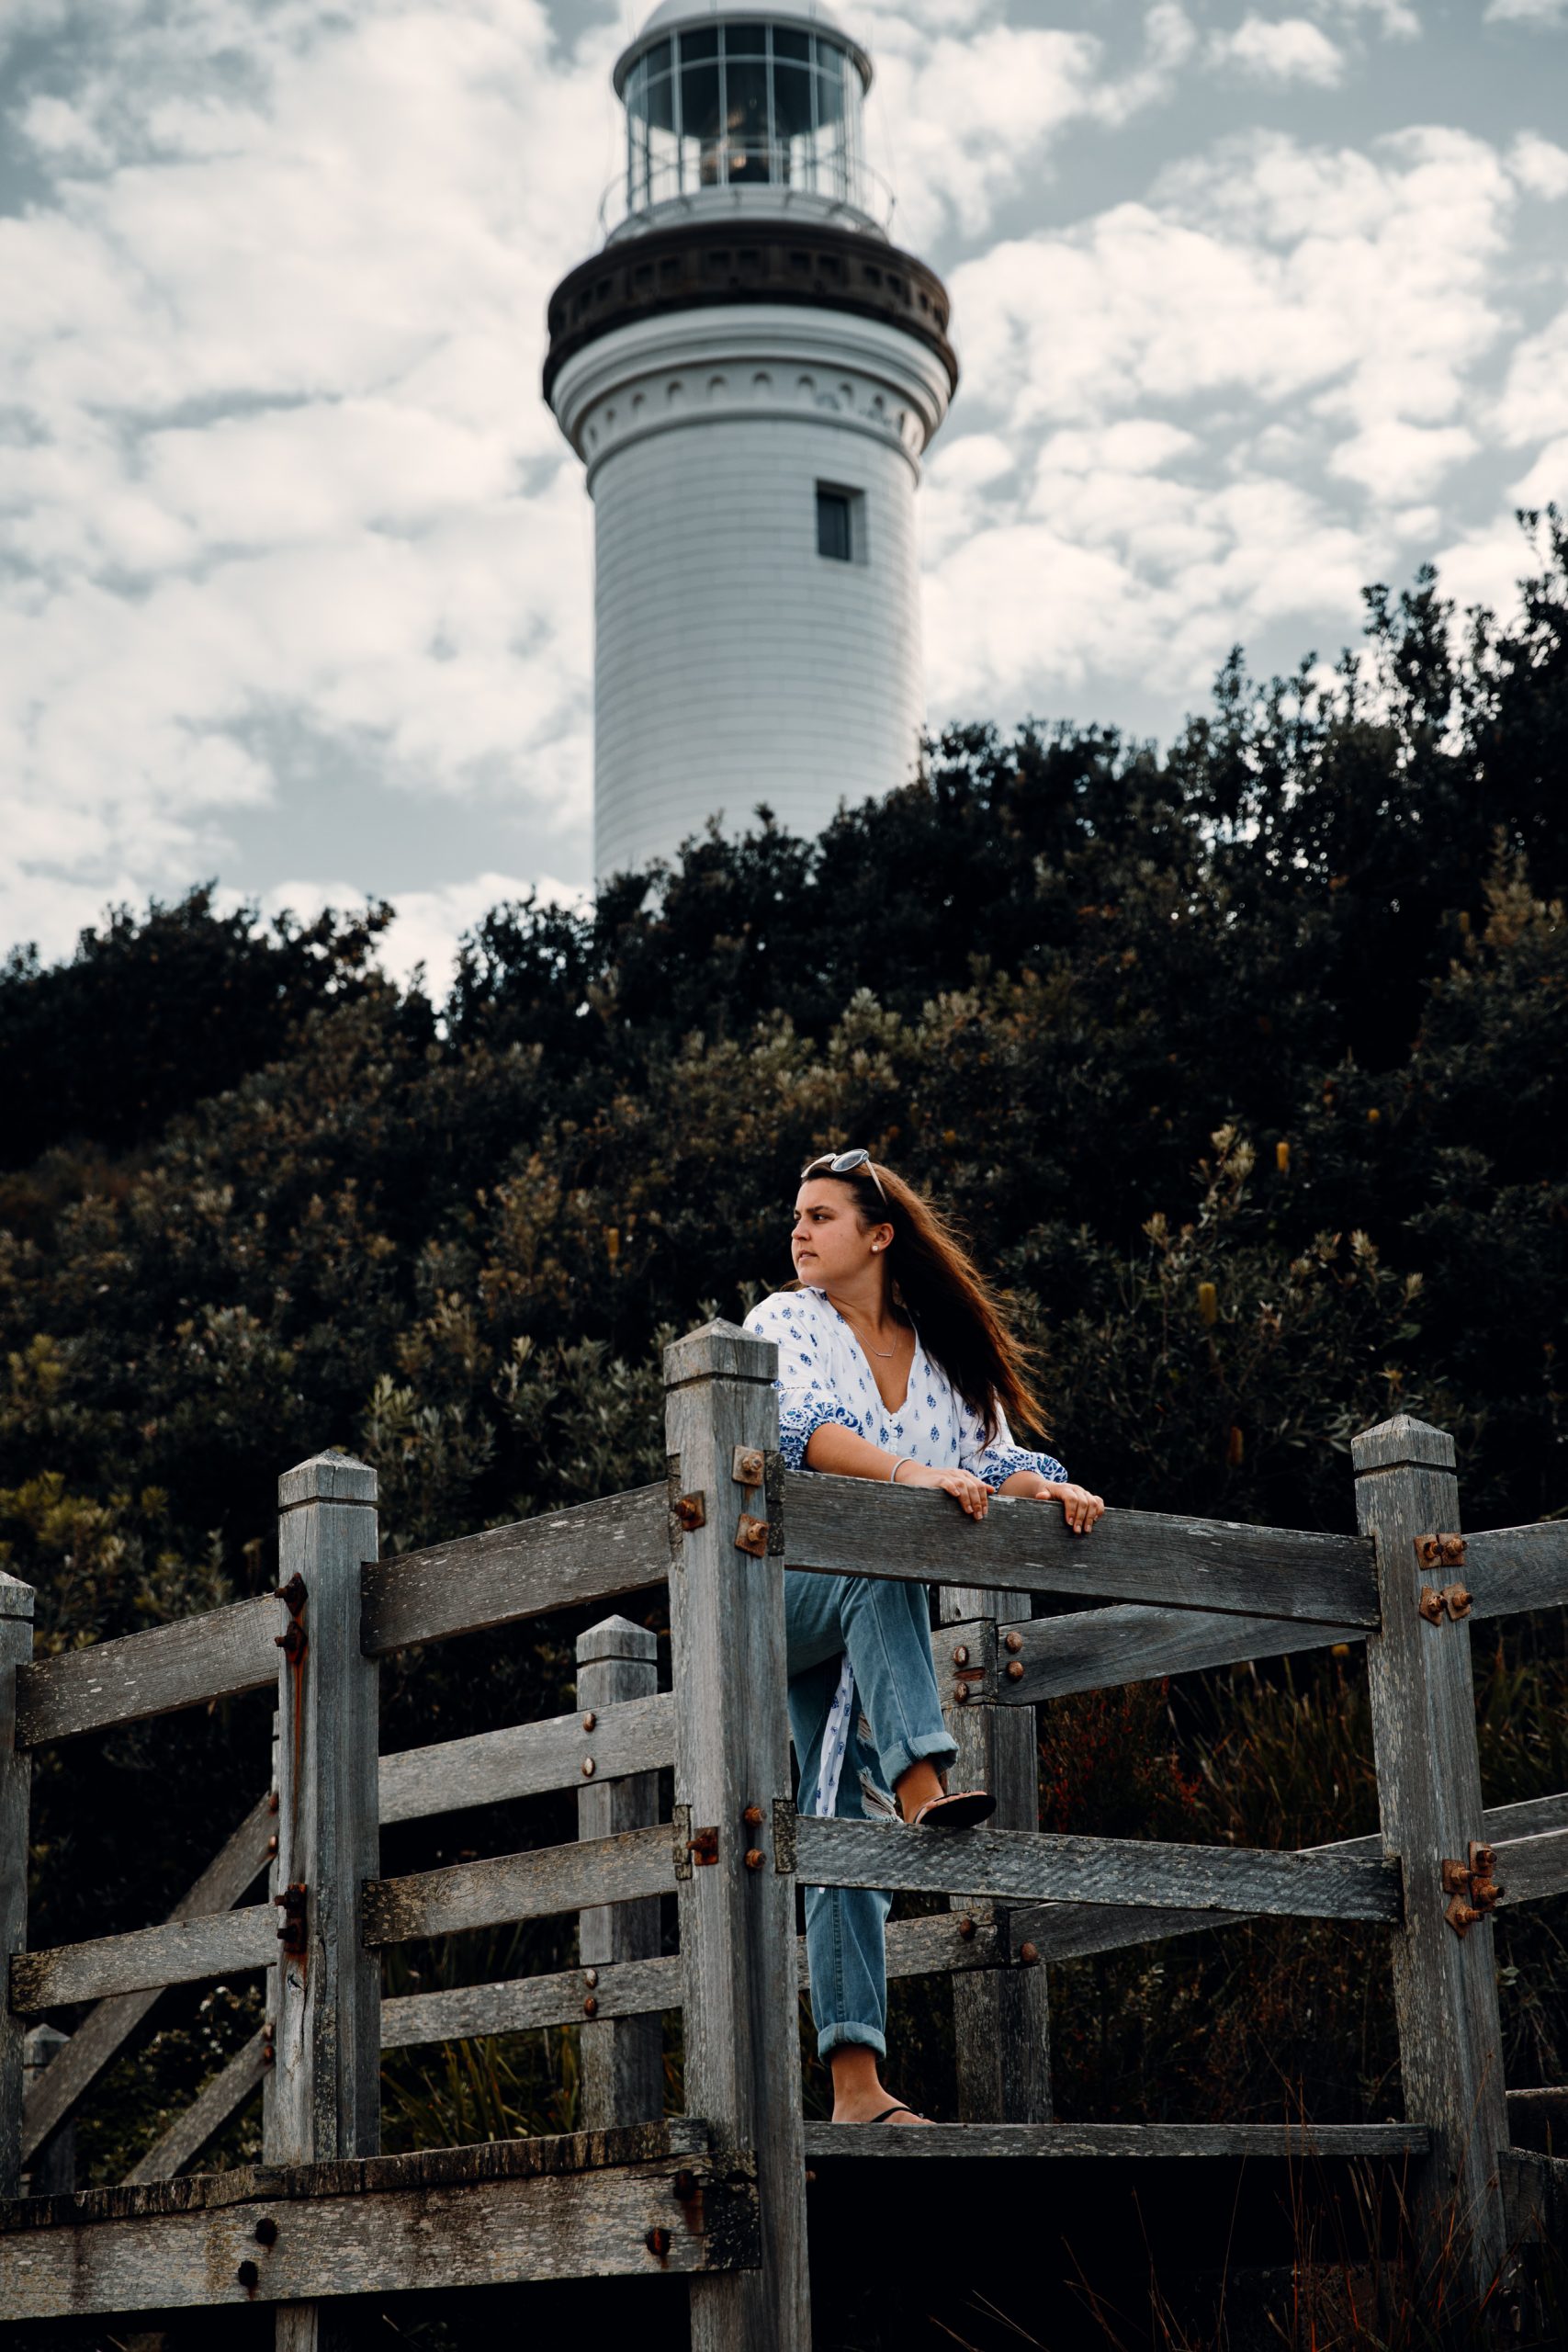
column 946, row 2140
column 622, row 2058
column 326, row 2100
column 1001, row 2017
column 181, row 1665
column 850, row 1527
column 1509, row 1569
column 1530, row 1868
column 202, row 2120
column 939, row 1945
column 561, row 1560
column 181, row 1952
column 1423, row 1712
column 727, row 1632
column 1535, row 2197
column 54, row 2165
column 632, row 1988
column 1011, row 1867
column 449, row 2226
column 15, row 1649
column 526, row 1760
column 226, row 1877
column 1096, row 1649
column 1071, row 1931
column 521, row 1886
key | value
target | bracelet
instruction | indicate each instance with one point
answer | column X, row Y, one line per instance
column 893, row 1474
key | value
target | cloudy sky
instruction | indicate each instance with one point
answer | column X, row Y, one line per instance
column 1255, row 304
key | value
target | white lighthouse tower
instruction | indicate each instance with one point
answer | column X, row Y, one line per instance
column 750, row 372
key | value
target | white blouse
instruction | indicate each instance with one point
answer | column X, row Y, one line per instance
column 824, row 1375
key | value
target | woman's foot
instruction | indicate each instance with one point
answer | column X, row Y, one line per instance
column 921, row 1785
column 859, row 2092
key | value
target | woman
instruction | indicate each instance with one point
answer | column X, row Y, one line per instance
column 894, row 1363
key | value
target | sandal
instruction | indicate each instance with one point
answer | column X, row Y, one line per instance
column 960, row 1811
column 898, row 2108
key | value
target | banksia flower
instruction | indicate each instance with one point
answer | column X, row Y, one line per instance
column 1208, row 1303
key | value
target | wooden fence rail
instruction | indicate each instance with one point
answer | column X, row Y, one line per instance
column 1174, row 1596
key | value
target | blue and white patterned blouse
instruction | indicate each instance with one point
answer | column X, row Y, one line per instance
column 824, row 1376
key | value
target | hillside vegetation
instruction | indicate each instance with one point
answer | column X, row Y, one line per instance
column 1244, row 1066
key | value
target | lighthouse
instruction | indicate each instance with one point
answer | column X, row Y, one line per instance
column 750, row 371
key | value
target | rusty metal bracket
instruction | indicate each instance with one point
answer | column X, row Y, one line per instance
column 1439, row 1550
column 751, row 1535
column 292, row 1903
column 749, row 1465
column 1450, row 1601
column 1473, row 1887
column 689, row 1513
column 293, row 1643
column 294, row 1594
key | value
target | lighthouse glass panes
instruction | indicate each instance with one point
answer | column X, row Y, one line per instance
column 746, row 105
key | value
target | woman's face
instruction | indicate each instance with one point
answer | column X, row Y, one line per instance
column 830, row 1245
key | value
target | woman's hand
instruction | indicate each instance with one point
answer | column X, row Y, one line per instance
column 972, row 1495
column 1080, row 1507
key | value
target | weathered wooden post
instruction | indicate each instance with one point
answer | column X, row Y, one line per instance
column 52, row 2167
column 326, row 2076
column 1422, row 1709
column 736, row 1907
column 1001, row 2017
column 623, row 2058
column 16, row 1649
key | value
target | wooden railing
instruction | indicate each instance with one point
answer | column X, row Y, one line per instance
column 717, row 2193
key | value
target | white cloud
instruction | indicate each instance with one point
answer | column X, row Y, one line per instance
column 1540, row 165
column 428, row 923
column 1396, row 19
column 1286, row 49
column 1527, row 12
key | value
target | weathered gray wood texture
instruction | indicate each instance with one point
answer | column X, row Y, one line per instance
column 622, row 2058
column 181, row 1951
column 1512, row 1568
column 1097, row 1650
column 560, row 1560
column 52, row 2167
column 326, row 2091
column 525, row 1759
column 1292, row 2140
column 1535, row 2197
column 635, row 1864
column 1001, row 2017
column 1072, row 1930
column 460, row 2217
column 851, row 1527
column 1009, row 1867
column 1423, row 1711
column 105, row 2031
column 202, row 2120
column 15, row 1649
column 183, row 1665
column 632, row 1988
column 727, row 1620
column 1530, row 1868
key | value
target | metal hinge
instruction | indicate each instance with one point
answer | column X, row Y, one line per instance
column 1473, row 1887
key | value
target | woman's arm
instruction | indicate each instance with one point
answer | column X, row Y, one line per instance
column 846, row 1456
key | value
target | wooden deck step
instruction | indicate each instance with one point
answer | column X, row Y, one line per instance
column 825, row 2140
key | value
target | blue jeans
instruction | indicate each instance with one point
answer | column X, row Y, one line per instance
column 885, row 1628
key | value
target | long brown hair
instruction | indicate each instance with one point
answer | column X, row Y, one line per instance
column 938, row 1287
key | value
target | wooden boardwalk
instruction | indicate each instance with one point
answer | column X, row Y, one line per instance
column 718, row 2195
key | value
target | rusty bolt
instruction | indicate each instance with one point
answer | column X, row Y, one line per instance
column 658, row 2243
column 966, row 1926
column 588, row 1768
column 685, row 2185
column 249, row 2277
column 272, row 1844
column 1028, row 1954
column 292, row 1594
column 267, row 2053
column 292, row 1642
column 961, row 1694
column 591, row 2005
column 1453, row 1548
column 1429, row 1551
column 1431, row 1604
column 1461, row 1915
column 589, row 1720
column 748, row 1465
column 1455, row 1599
column 752, row 1816
column 755, row 1858
column 590, row 1977
column 1482, row 1860
column 1015, row 1643
column 1015, row 1671
column 266, row 2231
column 751, row 1535
column 961, row 1655
column 691, row 1513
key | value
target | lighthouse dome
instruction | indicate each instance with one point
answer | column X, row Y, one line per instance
column 743, row 105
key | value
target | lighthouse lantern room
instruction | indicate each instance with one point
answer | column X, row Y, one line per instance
column 751, row 372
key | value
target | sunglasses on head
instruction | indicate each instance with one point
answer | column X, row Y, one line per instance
column 844, row 1163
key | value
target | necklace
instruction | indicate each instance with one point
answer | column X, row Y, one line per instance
column 884, row 1352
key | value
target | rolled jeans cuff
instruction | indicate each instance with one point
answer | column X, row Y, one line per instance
column 840, row 2037
column 936, row 1748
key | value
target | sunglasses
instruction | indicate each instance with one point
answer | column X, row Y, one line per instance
column 845, row 1163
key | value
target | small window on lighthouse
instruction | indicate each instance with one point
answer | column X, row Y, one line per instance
column 837, row 523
